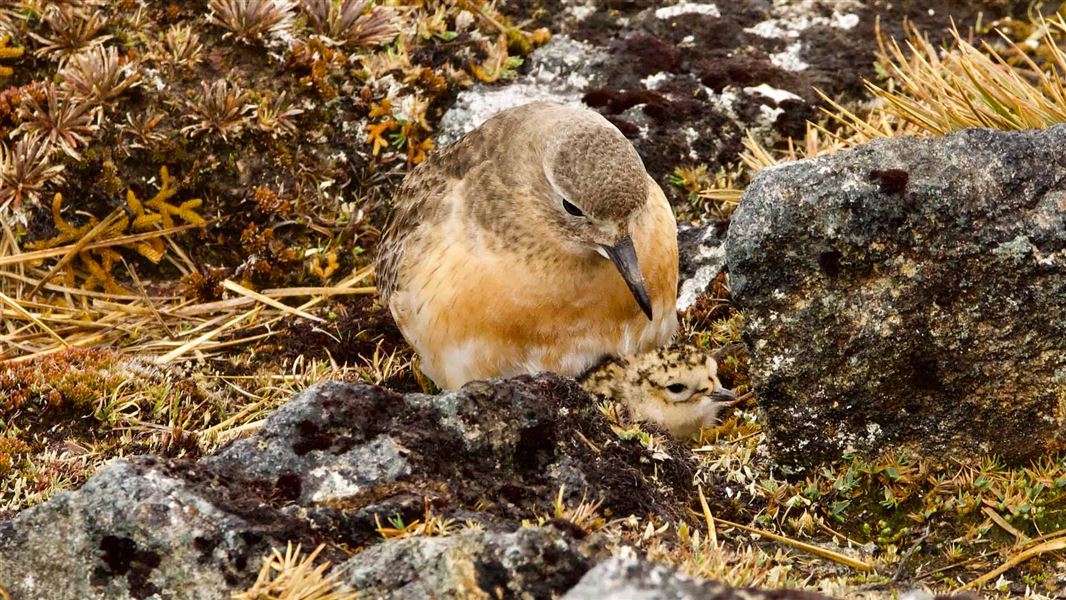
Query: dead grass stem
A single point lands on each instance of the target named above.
(47, 316)
(933, 90)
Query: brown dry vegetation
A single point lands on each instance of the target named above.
(190, 200)
(190, 194)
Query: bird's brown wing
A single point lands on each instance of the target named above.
(421, 200)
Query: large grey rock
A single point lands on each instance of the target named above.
(510, 443)
(632, 579)
(324, 469)
(909, 293)
(540, 562)
(132, 531)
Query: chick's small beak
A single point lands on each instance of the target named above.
(624, 257)
(721, 394)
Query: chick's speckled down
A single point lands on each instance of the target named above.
(675, 387)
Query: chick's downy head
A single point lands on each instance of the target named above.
(676, 388)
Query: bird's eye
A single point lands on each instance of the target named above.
(570, 208)
(676, 388)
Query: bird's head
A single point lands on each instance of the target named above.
(676, 387)
(598, 186)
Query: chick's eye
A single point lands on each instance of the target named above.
(570, 208)
(676, 388)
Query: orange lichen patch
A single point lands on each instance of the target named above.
(322, 63)
(380, 109)
(271, 203)
(498, 64)
(427, 79)
(411, 136)
(186, 211)
(100, 261)
(8, 52)
(269, 258)
(376, 134)
(204, 285)
(416, 150)
(416, 153)
(323, 272)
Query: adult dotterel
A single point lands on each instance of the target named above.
(537, 242)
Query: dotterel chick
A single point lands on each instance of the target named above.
(537, 242)
(676, 388)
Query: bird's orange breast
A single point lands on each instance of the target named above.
(473, 314)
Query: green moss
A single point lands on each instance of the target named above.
(62, 415)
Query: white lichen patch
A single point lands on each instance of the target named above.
(779, 361)
(768, 91)
(710, 256)
(1019, 247)
(789, 59)
(791, 18)
(771, 30)
(353, 472)
(687, 8)
(844, 21)
(580, 12)
(725, 102)
(652, 82)
(768, 114)
(691, 137)
(559, 74)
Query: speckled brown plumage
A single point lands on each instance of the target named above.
(489, 273)
(676, 387)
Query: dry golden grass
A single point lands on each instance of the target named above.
(951, 526)
(972, 85)
(294, 576)
(428, 526)
(930, 90)
(41, 317)
(585, 515)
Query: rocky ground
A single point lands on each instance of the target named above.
(950, 255)
(901, 302)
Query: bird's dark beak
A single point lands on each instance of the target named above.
(624, 257)
(721, 394)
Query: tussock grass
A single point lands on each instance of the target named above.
(294, 576)
(972, 85)
(1004, 84)
(42, 316)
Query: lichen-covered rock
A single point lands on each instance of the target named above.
(134, 530)
(323, 470)
(688, 80)
(510, 443)
(629, 579)
(560, 72)
(909, 293)
(701, 252)
(541, 562)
